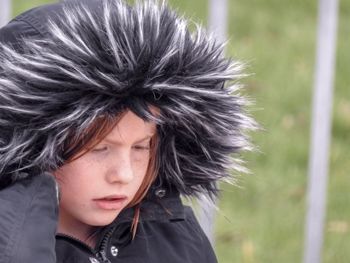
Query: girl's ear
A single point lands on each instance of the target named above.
(54, 174)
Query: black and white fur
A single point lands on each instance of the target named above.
(107, 59)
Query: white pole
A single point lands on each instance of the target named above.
(5, 12)
(321, 130)
(218, 25)
(218, 10)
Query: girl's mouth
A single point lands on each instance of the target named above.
(111, 202)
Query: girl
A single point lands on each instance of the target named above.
(108, 113)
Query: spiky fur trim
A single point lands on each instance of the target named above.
(104, 60)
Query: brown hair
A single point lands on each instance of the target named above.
(77, 145)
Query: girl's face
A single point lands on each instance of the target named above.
(99, 184)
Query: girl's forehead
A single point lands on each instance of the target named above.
(131, 128)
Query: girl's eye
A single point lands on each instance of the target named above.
(142, 148)
(99, 149)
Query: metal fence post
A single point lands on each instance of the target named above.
(218, 25)
(5, 12)
(321, 130)
(218, 10)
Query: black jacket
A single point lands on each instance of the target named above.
(161, 237)
(167, 232)
(63, 64)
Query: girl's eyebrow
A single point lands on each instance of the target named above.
(118, 143)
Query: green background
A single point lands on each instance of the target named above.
(262, 220)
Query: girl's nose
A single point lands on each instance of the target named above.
(121, 171)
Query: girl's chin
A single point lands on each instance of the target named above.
(101, 220)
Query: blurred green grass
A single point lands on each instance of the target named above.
(263, 221)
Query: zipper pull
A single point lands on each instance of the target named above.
(102, 255)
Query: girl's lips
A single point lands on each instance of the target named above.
(111, 203)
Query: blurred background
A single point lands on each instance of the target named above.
(262, 220)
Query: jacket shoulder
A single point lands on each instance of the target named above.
(205, 248)
(28, 218)
(172, 241)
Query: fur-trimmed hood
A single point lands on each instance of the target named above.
(64, 64)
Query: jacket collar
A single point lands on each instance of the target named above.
(160, 204)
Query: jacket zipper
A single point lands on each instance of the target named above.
(101, 254)
(102, 247)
